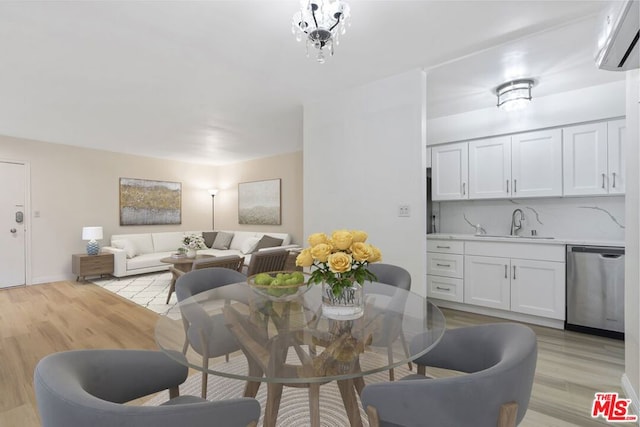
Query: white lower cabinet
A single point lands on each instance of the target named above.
(533, 285)
(447, 288)
(538, 288)
(449, 265)
(445, 270)
(487, 282)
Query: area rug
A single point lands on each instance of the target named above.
(294, 406)
(148, 290)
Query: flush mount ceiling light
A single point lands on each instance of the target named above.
(514, 95)
(321, 22)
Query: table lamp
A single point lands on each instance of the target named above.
(92, 234)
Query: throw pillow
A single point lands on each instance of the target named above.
(222, 241)
(209, 237)
(127, 246)
(249, 245)
(268, 242)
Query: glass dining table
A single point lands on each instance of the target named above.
(291, 343)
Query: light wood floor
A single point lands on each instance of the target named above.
(42, 319)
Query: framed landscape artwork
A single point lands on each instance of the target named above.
(259, 202)
(147, 202)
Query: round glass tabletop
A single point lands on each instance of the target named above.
(292, 342)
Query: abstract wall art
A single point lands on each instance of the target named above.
(147, 202)
(259, 202)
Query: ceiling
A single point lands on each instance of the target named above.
(224, 81)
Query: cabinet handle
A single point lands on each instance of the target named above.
(464, 188)
(603, 177)
(507, 186)
(442, 289)
(515, 185)
(514, 272)
(443, 265)
(505, 271)
(614, 180)
(443, 247)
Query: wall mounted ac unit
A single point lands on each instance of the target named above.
(618, 38)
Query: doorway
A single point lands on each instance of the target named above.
(13, 223)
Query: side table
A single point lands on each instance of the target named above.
(83, 265)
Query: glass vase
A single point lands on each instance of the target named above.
(346, 305)
(191, 253)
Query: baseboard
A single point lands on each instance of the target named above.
(631, 394)
(510, 315)
(50, 279)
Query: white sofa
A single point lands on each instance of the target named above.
(141, 253)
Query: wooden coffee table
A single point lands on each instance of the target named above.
(183, 264)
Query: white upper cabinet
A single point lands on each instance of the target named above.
(616, 140)
(574, 161)
(490, 168)
(585, 159)
(449, 171)
(536, 164)
(593, 158)
(524, 165)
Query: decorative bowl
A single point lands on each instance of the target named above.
(280, 285)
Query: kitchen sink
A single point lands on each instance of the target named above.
(508, 236)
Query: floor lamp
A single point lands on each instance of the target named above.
(213, 193)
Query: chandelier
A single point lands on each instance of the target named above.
(321, 22)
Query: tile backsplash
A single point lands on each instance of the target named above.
(598, 218)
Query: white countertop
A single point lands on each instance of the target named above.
(538, 240)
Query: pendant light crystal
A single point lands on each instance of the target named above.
(321, 22)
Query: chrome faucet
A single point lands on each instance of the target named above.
(516, 226)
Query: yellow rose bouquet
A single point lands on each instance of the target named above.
(339, 260)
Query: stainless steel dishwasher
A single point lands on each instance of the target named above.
(595, 290)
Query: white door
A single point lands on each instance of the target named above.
(487, 281)
(585, 159)
(449, 171)
(538, 288)
(490, 168)
(616, 131)
(12, 224)
(536, 164)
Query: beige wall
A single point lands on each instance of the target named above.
(287, 167)
(73, 187)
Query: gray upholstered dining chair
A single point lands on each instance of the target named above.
(391, 326)
(90, 387)
(234, 262)
(208, 336)
(499, 362)
(269, 260)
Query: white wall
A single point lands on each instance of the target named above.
(363, 157)
(582, 105)
(592, 218)
(631, 379)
